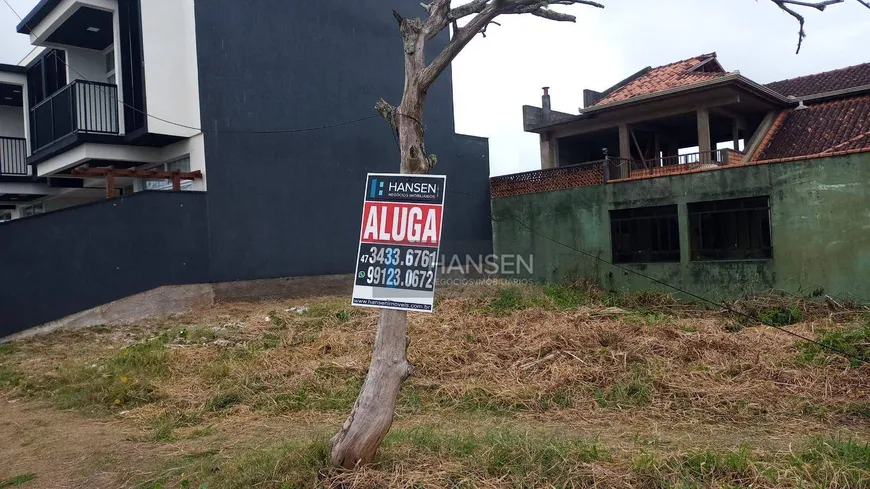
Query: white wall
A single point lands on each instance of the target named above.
(195, 148)
(11, 121)
(85, 64)
(171, 69)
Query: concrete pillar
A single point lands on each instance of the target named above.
(657, 149)
(685, 237)
(624, 142)
(735, 130)
(16, 212)
(548, 151)
(624, 150)
(704, 135)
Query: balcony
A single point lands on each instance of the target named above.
(610, 170)
(80, 108)
(13, 157)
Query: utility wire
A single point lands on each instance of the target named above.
(690, 294)
(218, 131)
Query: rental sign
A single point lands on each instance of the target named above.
(399, 242)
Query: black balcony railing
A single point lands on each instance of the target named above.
(80, 107)
(13, 157)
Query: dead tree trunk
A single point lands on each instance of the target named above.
(372, 416)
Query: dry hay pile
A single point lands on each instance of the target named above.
(526, 360)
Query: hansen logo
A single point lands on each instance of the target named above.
(377, 188)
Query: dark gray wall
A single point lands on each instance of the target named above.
(290, 204)
(71, 260)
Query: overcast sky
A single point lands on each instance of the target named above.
(495, 76)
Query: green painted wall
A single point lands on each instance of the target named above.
(820, 220)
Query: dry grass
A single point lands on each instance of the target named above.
(514, 387)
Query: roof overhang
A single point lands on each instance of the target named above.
(735, 81)
(4, 68)
(37, 15)
(49, 15)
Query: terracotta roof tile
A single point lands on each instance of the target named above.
(665, 77)
(829, 81)
(829, 127)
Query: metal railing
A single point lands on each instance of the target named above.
(13, 157)
(607, 170)
(670, 165)
(82, 106)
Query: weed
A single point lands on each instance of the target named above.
(343, 316)
(844, 460)
(634, 388)
(269, 341)
(857, 409)
(782, 316)
(508, 300)
(525, 460)
(288, 465)
(8, 348)
(320, 396)
(165, 425)
(203, 432)
(561, 398)
(852, 339)
(278, 321)
(18, 480)
(697, 468)
(563, 297)
(216, 371)
(224, 401)
(123, 381)
(9, 377)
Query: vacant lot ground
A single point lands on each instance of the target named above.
(531, 387)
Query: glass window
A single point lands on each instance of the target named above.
(737, 229)
(5, 216)
(110, 60)
(181, 164)
(110, 66)
(32, 210)
(645, 235)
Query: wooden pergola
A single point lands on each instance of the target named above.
(111, 173)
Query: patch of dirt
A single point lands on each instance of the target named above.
(66, 450)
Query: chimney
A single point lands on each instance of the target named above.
(545, 102)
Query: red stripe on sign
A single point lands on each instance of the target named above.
(393, 223)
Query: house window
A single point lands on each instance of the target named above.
(737, 229)
(645, 235)
(181, 164)
(32, 210)
(5, 216)
(110, 66)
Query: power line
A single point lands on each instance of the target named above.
(690, 294)
(185, 126)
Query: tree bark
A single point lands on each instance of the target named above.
(372, 416)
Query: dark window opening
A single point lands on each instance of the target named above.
(132, 66)
(46, 76)
(737, 229)
(645, 235)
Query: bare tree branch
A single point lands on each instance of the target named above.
(820, 6)
(484, 11)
